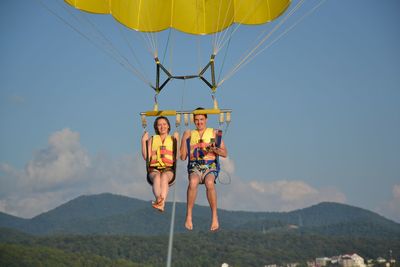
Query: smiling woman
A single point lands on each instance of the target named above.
(160, 153)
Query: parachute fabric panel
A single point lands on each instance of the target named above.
(143, 16)
(259, 11)
(189, 16)
(202, 17)
(92, 6)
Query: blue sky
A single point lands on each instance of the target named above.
(316, 115)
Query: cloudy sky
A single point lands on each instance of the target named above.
(316, 115)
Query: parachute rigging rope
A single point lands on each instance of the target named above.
(167, 44)
(223, 40)
(172, 225)
(151, 36)
(248, 55)
(198, 38)
(108, 44)
(265, 38)
(171, 51)
(130, 48)
(218, 34)
(198, 43)
(254, 52)
(286, 31)
(168, 47)
(224, 59)
(114, 54)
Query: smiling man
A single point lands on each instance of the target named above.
(202, 147)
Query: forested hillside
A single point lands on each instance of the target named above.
(193, 249)
(108, 214)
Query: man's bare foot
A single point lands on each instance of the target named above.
(188, 223)
(214, 225)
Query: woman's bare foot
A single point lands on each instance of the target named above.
(159, 204)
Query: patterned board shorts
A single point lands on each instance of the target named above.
(202, 170)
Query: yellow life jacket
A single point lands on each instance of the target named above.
(199, 144)
(162, 153)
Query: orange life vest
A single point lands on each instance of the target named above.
(162, 153)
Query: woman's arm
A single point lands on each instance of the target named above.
(145, 137)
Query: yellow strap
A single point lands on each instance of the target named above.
(159, 159)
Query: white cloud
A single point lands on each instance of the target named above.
(391, 209)
(279, 195)
(63, 161)
(64, 170)
(396, 192)
(27, 205)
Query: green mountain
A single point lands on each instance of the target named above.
(109, 214)
(112, 230)
(11, 221)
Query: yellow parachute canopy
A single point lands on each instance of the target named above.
(189, 16)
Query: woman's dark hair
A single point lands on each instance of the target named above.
(156, 121)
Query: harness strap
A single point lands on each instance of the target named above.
(188, 151)
(175, 150)
(148, 158)
(148, 162)
(218, 144)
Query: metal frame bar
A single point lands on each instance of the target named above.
(154, 113)
(210, 64)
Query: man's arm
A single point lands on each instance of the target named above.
(220, 151)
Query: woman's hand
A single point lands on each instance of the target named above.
(145, 137)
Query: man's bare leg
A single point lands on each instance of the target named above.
(191, 198)
(212, 200)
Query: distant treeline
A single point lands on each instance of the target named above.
(190, 249)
